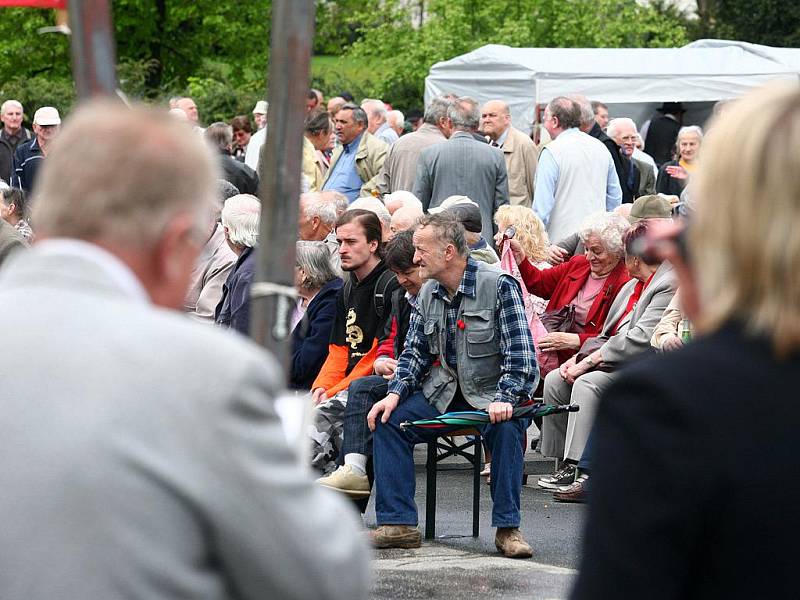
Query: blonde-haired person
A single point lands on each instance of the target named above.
(531, 235)
(674, 436)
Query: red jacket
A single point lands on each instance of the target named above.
(562, 283)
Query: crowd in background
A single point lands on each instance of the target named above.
(564, 218)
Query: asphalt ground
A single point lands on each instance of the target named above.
(456, 565)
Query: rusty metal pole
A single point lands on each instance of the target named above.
(94, 59)
(279, 173)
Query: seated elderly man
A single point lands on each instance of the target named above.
(399, 199)
(213, 265)
(374, 205)
(240, 220)
(468, 346)
(581, 380)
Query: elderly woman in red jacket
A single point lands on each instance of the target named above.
(589, 282)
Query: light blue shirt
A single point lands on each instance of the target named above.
(547, 172)
(386, 134)
(344, 177)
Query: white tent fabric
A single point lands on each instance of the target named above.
(789, 57)
(639, 78)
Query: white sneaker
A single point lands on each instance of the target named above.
(346, 481)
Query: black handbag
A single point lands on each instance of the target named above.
(562, 320)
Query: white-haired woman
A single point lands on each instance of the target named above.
(675, 438)
(674, 175)
(587, 283)
(240, 217)
(317, 285)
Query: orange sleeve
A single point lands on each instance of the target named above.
(333, 369)
(362, 369)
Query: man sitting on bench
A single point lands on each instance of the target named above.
(468, 347)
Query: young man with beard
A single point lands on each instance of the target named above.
(351, 478)
(363, 307)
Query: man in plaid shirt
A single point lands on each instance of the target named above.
(468, 347)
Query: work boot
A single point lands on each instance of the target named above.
(396, 536)
(511, 544)
(346, 481)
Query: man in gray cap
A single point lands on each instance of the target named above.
(29, 156)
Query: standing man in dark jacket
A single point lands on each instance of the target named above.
(351, 478)
(662, 132)
(29, 156)
(220, 135)
(12, 135)
(240, 220)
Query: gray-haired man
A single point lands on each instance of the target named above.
(474, 312)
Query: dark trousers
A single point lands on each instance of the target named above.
(362, 394)
(394, 464)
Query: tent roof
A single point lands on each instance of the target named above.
(612, 75)
(789, 57)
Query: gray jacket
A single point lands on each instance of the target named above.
(463, 166)
(142, 455)
(634, 333)
(478, 345)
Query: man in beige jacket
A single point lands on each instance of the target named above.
(358, 158)
(518, 150)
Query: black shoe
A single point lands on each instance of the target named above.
(563, 477)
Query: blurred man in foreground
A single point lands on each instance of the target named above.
(142, 456)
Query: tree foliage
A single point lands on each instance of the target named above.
(769, 22)
(452, 27)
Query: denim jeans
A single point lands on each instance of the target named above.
(363, 393)
(585, 463)
(395, 479)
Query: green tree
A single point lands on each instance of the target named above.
(769, 22)
(406, 50)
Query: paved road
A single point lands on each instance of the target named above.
(457, 566)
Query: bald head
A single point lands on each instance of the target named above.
(495, 119)
(404, 218)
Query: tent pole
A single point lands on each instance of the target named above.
(272, 291)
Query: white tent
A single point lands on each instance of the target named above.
(632, 81)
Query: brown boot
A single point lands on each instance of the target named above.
(511, 544)
(396, 536)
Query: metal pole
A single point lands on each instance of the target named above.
(279, 173)
(93, 52)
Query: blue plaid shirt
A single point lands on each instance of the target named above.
(520, 373)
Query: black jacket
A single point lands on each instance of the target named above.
(27, 160)
(695, 492)
(239, 174)
(311, 336)
(661, 136)
(233, 309)
(666, 184)
(7, 150)
(616, 154)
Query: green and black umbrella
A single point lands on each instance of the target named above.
(476, 418)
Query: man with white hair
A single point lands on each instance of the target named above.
(378, 124)
(404, 218)
(397, 122)
(400, 167)
(637, 178)
(213, 265)
(173, 425)
(316, 219)
(30, 155)
(518, 150)
(576, 175)
(12, 135)
(240, 221)
(400, 198)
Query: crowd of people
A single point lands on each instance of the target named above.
(444, 262)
